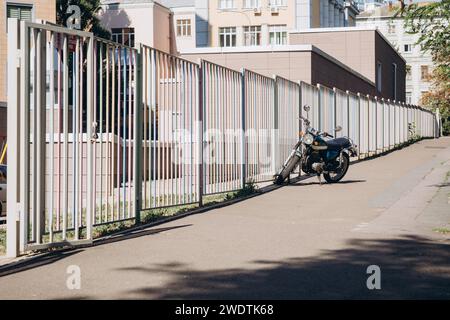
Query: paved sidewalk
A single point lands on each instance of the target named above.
(300, 241)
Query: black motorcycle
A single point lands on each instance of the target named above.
(319, 153)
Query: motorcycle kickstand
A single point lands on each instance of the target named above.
(320, 179)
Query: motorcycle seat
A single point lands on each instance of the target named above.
(338, 144)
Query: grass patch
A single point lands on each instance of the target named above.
(2, 241)
(442, 230)
(249, 189)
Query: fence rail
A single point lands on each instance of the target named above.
(100, 131)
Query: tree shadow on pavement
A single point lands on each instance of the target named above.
(411, 267)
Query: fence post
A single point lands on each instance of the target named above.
(138, 105)
(300, 112)
(335, 112)
(40, 139)
(13, 151)
(200, 129)
(90, 208)
(275, 125)
(243, 120)
(319, 108)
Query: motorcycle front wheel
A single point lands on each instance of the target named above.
(290, 166)
(336, 176)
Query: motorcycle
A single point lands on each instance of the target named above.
(319, 153)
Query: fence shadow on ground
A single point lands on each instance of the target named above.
(411, 267)
(54, 256)
(304, 184)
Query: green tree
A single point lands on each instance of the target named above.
(431, 21)
(89, 15)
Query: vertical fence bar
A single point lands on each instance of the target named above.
(243, 129)
(40, 139)
(90, 106)
(16, 71)
(137, 128)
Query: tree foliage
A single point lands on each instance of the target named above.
(89, 15)
(431, 21)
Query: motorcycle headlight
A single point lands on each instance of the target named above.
(308, 139)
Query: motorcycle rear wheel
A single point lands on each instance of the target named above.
(333, 177)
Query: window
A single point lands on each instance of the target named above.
(21, 12)
(227, 36)
(226, 4)
(184, 28)
(408, 72)
(124, 36)
(391, 28)
(394, 81)
(424, 94)
(277, 3)
(424, 73)
(407, 48)
(252, 36)
(278, 35)
(408, 97)
(250, 4)
(379, 76)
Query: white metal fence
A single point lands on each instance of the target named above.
(99, 131)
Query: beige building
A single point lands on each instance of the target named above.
(138, 21)
(268, 22)
(25, 10)
(184, 26)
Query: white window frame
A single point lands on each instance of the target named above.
(392, 28)
(409, 46)
(185, 26)
(280, 35)
(126, 31)
(252, 4)
(228, 33)
(408, 71)
(428, 74)
(408, 97)
(277, 3)
(252, 35)
(226, 4)
(20, 5)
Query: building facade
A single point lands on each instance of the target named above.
(221, 23)
(234, 23)
(365, 50)
(305, 63)
(364, 5)
(419, 65)
(138, 21)
(24, 10)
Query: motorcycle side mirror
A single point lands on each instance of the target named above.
(338, 128)
(306, 108)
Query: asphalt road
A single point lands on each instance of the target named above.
(301, 241)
